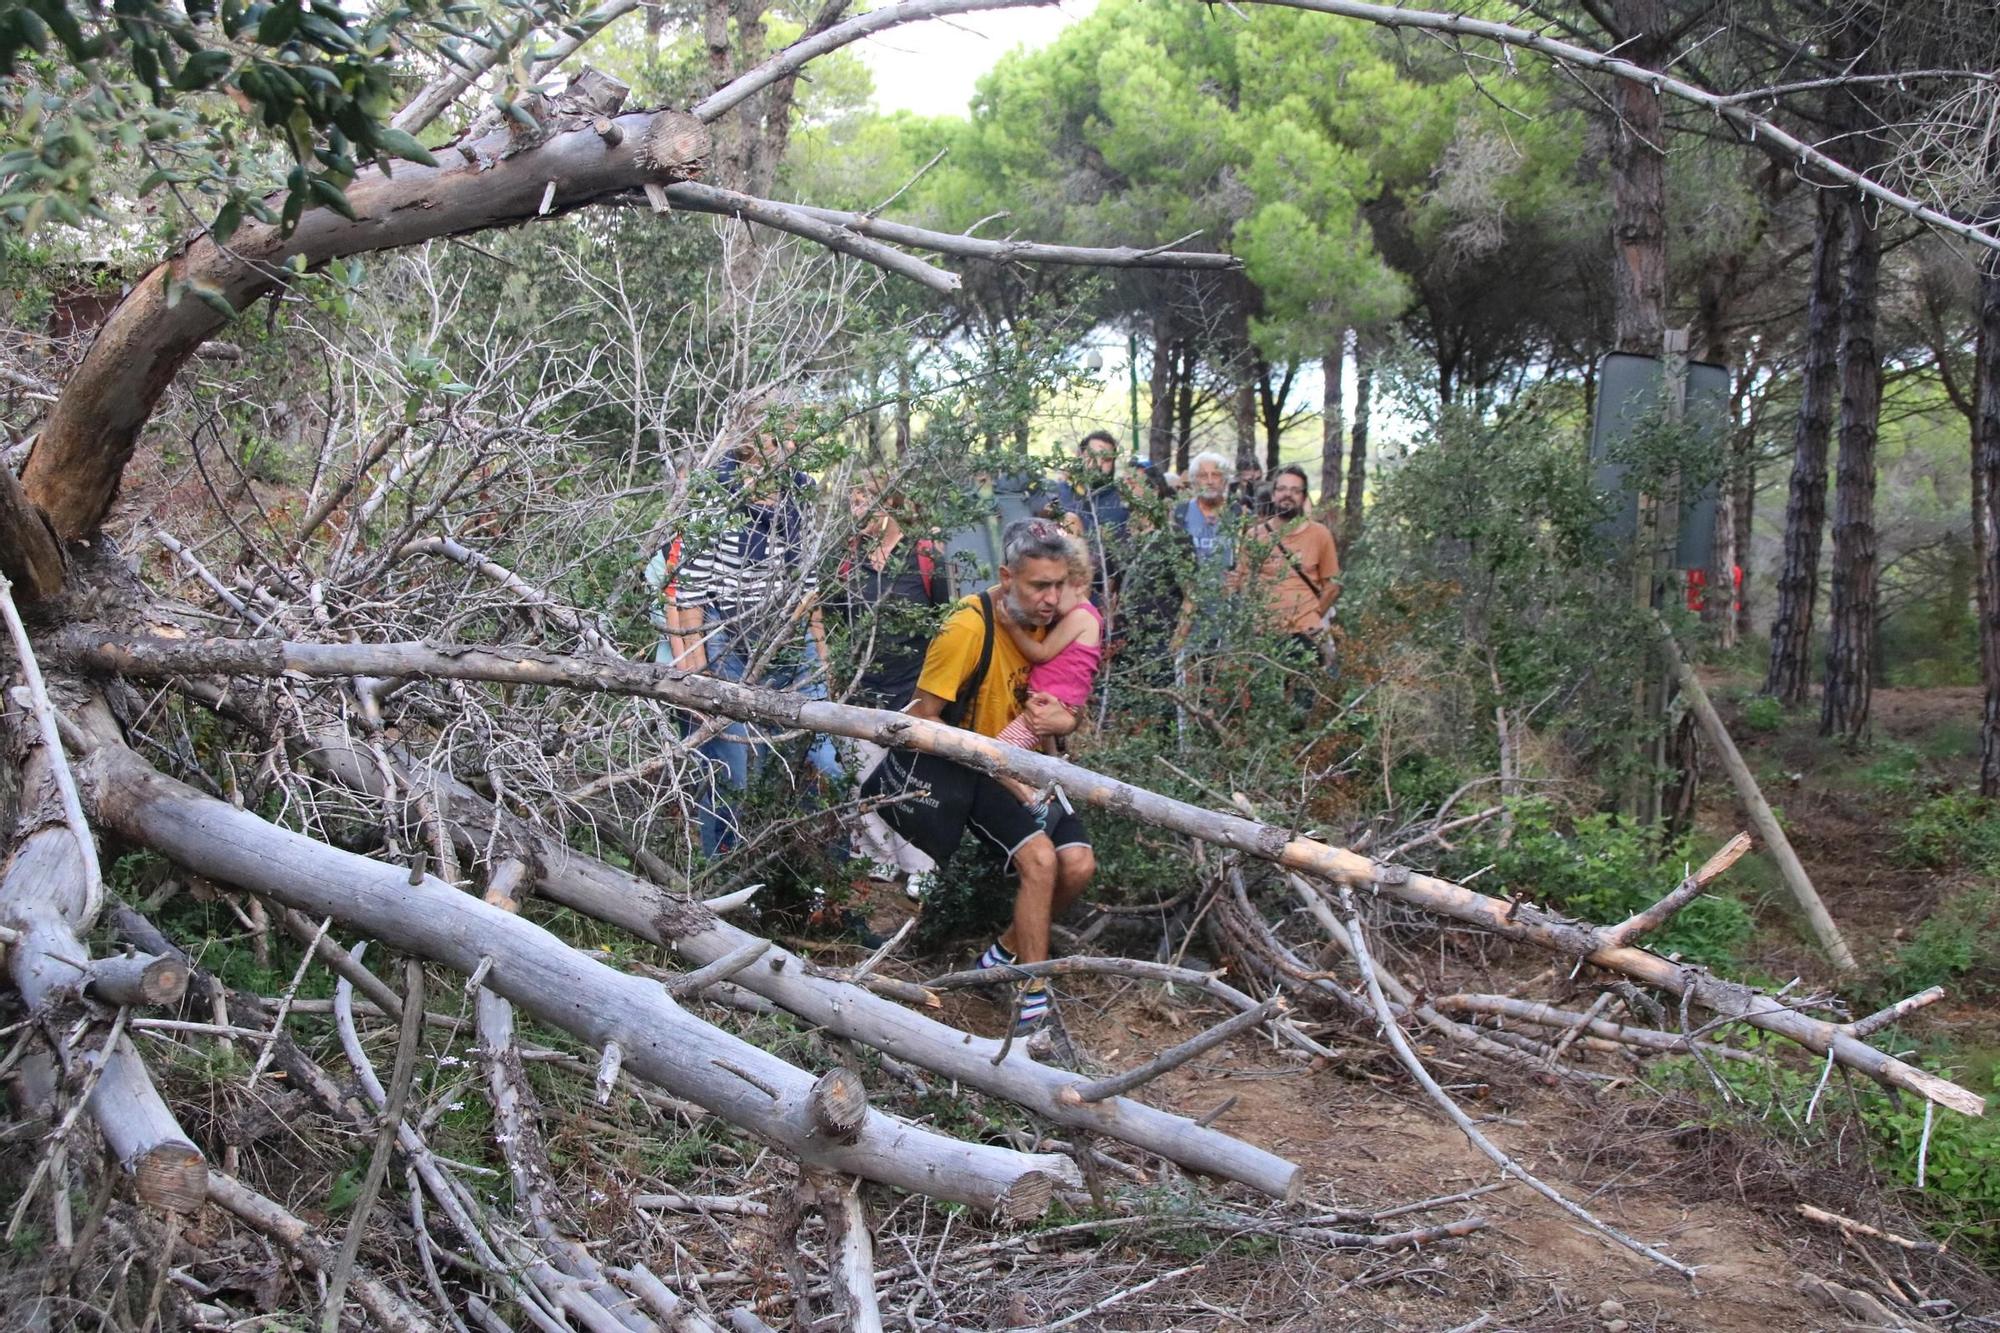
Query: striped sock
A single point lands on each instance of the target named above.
(996, 955)
(1032, 1009)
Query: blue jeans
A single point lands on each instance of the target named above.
(735, 757)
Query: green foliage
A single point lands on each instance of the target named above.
(1487, 527)
(1952, 830)
(1761, 713)
(1953, 946)
(191, 94)
(1603, 870)
(1961, 1180)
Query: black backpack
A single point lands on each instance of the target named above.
(959, 710)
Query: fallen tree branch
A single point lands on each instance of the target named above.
(585, 884)
(540, 973)
(1174, 1057)
(1524, 922)
(1661, 912)
(378, 1160)
(275, 1221)
(1543, 1015)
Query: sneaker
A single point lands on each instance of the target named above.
(884, 872)
(1031, 1009)
(919, 885)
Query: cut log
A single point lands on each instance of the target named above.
(556, 984)
(137, 979)
(45, 899)
(839, 1104)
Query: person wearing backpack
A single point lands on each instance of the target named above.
(738, 579)
(975, 677)
(892, 588)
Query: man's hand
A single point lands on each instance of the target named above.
(1048, 715)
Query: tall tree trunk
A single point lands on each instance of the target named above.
(1332, 424)
(1243, 379)
(1986, 518)
(1269, 413)
(1850, 661)
(1160, 419)
(1639, 184)
(1789, 678)
(1357, 458)
(1184, 413)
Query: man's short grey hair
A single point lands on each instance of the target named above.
(1208, 456)
(1033, 539)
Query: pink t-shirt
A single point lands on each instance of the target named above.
(1067, 675)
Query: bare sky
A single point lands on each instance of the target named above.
(930, 67)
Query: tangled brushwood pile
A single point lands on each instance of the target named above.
(504, 1114)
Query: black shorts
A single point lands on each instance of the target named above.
(947, 799)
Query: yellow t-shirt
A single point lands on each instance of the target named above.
(954, 656)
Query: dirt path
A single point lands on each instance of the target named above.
(1368, 1141)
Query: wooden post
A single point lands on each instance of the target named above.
(1761, 818)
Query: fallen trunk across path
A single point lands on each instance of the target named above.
(1517, 920)
(558, 985)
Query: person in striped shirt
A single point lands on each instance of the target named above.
(736, 580)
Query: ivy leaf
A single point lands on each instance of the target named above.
(227, 219)
(213, 298)
(280, 21)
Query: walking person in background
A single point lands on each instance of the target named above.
(736, 580)
(1097, 511)
(894, 587)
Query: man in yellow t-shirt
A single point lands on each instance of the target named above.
(1050, 850)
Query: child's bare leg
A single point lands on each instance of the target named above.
(1023, 793)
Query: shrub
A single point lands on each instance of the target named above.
(1953, 945)
(1952, 830)
(1603, 870)
(1761, 713)
(1961, 1187)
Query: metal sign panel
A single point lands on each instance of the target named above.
(1628, 396)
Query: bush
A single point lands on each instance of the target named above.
(1952, 830)
(1953, 945)
(1961, 1189)
(1761, 713)
(1602, 870)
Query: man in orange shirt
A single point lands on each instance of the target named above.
(1296, 564)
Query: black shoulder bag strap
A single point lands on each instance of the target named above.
(958, 712)
(1299, 569)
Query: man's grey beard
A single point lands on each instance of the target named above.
(1018, 613)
